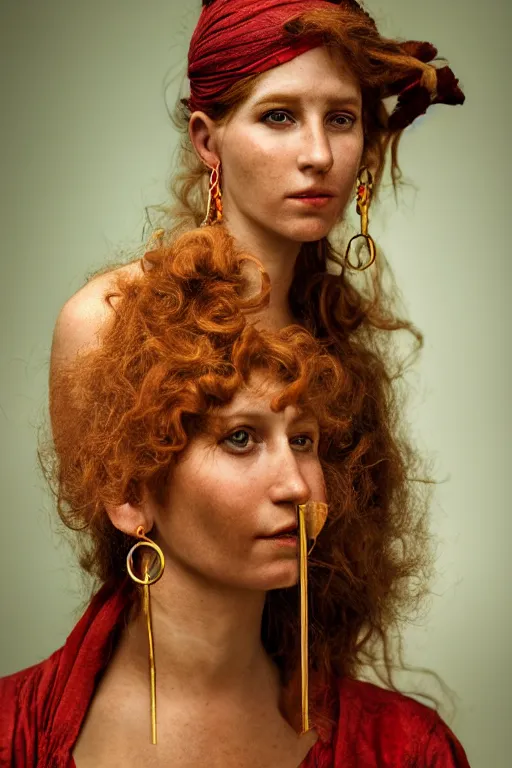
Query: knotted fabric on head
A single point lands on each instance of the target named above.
(237, 38)
(416, 92)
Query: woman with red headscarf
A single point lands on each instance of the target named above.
(291, 102)
(290, 114)
(294, 108)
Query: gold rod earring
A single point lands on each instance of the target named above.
(152, 667)
(304, 656)
(146, 581)
(312, 517)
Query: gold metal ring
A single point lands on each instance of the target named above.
(371, 248)
(147, 581)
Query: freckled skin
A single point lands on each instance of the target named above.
(315, 136)
(218, 692)
(221, 497)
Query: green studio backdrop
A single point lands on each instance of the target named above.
(86, 144)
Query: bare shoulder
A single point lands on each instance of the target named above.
(86, 314)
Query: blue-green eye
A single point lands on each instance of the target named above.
(238, 439)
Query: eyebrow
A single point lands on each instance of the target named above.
(348, 99)
(302, 416)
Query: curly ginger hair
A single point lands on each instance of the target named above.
(179, 346)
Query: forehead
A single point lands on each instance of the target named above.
(318, 72)
(256, 398)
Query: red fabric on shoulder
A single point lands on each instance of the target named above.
(43, 706)
(385, 729)
(377, 728)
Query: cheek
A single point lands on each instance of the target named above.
(254, 161)
(208, 503)
(224, 508)
(348, 153)
(347, 163)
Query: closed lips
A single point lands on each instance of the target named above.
(290, 531)
(314, 193)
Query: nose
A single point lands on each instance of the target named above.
(315, 149)
(290, 485)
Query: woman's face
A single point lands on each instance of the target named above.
(235, 486)
(291, 152)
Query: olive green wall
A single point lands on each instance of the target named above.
(86, 144)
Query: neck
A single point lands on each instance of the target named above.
(207, 637)
(278, 257)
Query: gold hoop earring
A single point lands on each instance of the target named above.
(312, 517)
(214, 208)
(151, 573)
(364, 199)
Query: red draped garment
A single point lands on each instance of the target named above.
(43, 707)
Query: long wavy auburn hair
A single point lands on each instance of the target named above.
(181, 344)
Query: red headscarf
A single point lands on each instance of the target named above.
(237, 38)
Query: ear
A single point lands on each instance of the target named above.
(203, 135)
(128, 517)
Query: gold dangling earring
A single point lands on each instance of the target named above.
(312, 517)
(364, 198)
(152, 571)
(214, 208)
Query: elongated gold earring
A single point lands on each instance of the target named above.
(364, 198)
(152, 565)
(312, 517)
(214, 208)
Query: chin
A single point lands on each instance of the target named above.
(286, 583)
(310, 231)
(280, 578)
